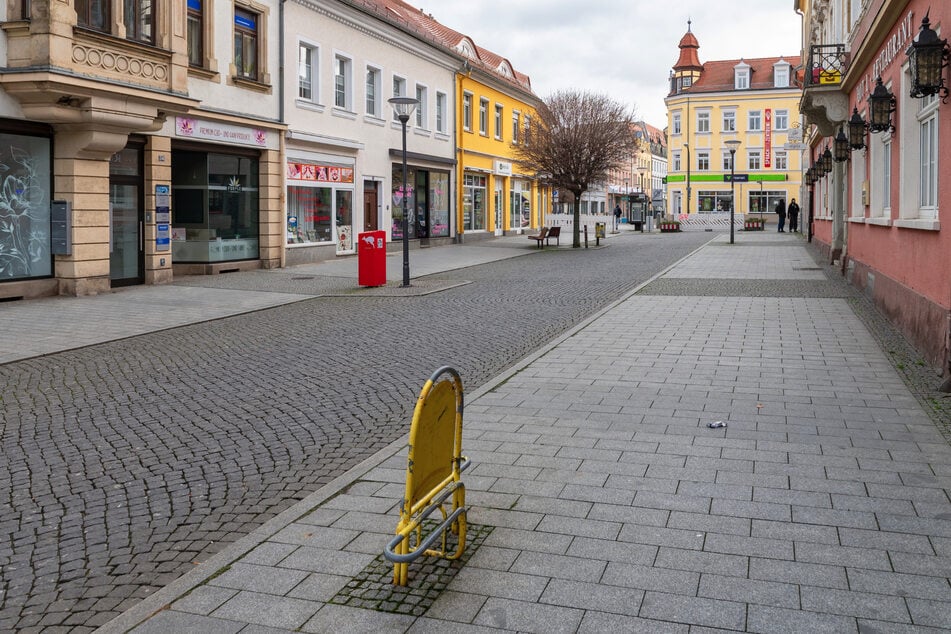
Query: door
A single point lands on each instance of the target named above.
(499, 227)
(127, 246)
(371, 221)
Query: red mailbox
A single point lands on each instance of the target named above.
(371, 258)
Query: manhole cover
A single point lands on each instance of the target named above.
(302, 277)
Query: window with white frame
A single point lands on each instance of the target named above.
(781, 75)
(675, 159)
(754, 121)
(498, 121)
(729, 120)
(780, 160)
(876, 171)
(781, 120)
(703, 160)
(526, 125)
(374, 102)
(857, 185)
(422, 108)
(467, 111)
(754, 159)
(399, 90)
(703, 121)
(483, 116)
(675, 123)
(928, 157)
(306, 65)
(727, 163)
(441, 112)
(741, 76)
(343, 83)
(516, 124)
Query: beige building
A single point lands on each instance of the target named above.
(137, 138)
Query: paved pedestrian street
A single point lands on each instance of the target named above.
(602, 500)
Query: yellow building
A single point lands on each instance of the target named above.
(495, 104)
(749, 106)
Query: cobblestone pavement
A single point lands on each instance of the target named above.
(124, 464)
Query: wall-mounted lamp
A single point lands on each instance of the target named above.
(840, 147)
(881, 105)
(927, 57)
(810, 176)
(857, 130)
(825, 162)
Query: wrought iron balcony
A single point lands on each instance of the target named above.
(827, 65)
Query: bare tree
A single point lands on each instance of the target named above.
(576, 139)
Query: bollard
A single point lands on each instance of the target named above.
(586, 236)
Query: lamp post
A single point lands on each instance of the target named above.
(733, 143)
(641, 174)
(404, 107)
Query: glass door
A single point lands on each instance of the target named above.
(126, 248)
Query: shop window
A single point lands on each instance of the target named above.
(473, 202)
(139, 19)
(24, 207)
(520, 213)
(246, 44)
(714, 201)
(93, 14)
(214, 207)
(427, 202)
(320, 204)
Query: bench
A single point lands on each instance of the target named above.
(554, 232)
(540, 237)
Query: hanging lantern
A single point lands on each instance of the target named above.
(881, 105)
(841, 150)
(927, 57)
(857, 129)
(826, 161)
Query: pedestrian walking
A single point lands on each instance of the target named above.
(793, 212)
(617, 216)
(781, 212)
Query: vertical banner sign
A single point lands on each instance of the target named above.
(768, 139)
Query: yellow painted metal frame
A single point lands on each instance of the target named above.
(433, 475)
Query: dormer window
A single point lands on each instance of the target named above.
(741, 76)
(781, 74)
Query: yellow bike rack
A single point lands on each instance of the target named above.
(434, 466)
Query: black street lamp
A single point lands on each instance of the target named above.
(733, 143)
(404, 107)
(927, 57)
(881, 105)
(857, 130)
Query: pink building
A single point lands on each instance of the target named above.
(879, 130)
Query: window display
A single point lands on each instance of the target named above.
(24, 207)
(320, 205)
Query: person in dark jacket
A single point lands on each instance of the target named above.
(793, 212)
(781, 211)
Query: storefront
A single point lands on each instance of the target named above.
(220, 204)
(320, 204)
(25, 182)
(473, 202)
(427, 197)
(520, 205)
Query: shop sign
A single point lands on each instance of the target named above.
(162, 237)
(768, 138)
(319, 173)
(222, 132)
(162, 200)
(503, 168)
(894, 45)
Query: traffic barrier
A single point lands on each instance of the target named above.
(433, 475)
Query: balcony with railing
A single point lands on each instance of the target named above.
(824, 102)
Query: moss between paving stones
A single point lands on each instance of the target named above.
(373, 588)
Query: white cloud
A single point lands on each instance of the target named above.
(623, 48)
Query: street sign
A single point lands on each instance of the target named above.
(737, 178)
(794, 146)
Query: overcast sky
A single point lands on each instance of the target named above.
(623, 48)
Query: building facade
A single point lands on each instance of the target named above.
(144, 140)
(879, 131)
(749, 106)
